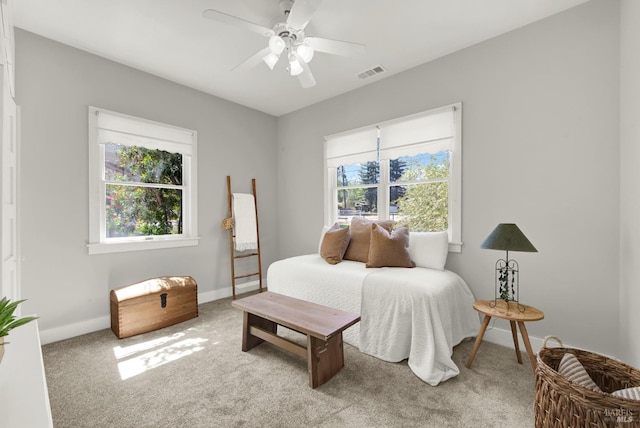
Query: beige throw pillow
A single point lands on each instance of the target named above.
(389, 249)
(358, 249)
(571, 368)
(334, 244)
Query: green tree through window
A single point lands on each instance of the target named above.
(397, 168)
(370, 174)
(425, 206)
(144, 194)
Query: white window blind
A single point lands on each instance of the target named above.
(118, 128)
(429, 132)
(352, 147)
(426, 132)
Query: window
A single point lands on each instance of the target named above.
(407, 170)
(142, 184)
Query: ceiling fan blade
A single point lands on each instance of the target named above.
(336, 47)
(301, 13)
(238, 22)
(253, 60)
(306, 78)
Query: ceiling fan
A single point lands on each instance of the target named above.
(286, 36)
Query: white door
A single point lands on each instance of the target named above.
(9, 256)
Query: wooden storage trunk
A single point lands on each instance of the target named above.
(153, 304)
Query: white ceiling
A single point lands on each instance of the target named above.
(171, 39)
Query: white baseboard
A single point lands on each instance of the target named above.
(68, 331)
(210, 296)
(494, 335)
(503, 337)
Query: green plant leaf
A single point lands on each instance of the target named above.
(7, 320)
(3, 303)
(21, 321)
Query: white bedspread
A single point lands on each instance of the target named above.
(421, 319)
(308, 278)
(417, 314)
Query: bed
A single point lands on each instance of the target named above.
(418, 314)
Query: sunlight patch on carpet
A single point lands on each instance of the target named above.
(156, 358)
(123, 352)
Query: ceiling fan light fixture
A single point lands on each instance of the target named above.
(276, 44)
(305, 52)
(294, 66)
(271, 60)
(287, 34)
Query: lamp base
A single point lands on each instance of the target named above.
(507, 282)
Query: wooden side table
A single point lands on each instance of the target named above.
(513, 315)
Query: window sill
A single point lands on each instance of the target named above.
(154, 244)
(455, 247)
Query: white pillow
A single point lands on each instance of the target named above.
(429, 249)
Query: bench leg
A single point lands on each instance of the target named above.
(324, 358)
(250, 320)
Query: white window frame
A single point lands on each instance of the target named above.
(145, 133)
(355, 146)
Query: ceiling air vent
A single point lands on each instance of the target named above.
(378, 69)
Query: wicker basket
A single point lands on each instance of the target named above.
(562, 403)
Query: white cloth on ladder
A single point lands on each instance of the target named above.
(246, 227)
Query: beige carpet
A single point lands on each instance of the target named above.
(194, 375)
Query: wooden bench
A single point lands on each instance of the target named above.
(323, 327)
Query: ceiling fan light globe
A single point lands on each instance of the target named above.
(294, 67)
(276, 44)
(271, 60)
(305, 52)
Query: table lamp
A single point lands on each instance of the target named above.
(507, 237)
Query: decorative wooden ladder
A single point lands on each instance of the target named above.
(228, 224)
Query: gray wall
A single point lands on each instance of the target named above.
(65, 286)
(540, 148)
(543, 116)
(630, 181)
